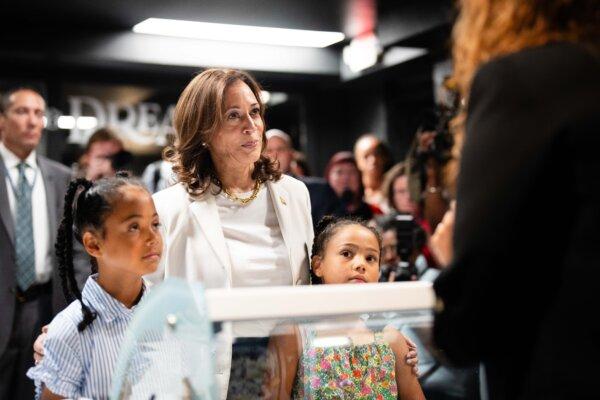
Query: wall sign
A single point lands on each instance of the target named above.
(143, 127)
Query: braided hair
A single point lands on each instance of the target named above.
(328, 226)
(87, 206)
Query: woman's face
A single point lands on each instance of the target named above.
(343, 176)
(238, 141)
(401, 195)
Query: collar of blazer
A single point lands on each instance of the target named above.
(52, 196)
(5, 214)
(205, 212)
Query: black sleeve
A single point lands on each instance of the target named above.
(501, 160)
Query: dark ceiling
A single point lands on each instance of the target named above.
(71, 15)
(34, 32)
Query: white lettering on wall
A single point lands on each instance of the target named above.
(140, 126)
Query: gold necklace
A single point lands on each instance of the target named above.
(241, 200)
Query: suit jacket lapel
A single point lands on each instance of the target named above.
(5, 213)
(207, 216)
(51, 198)
(281, 202)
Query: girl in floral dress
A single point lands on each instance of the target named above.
(361, 364)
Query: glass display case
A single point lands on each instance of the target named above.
(322, 341)
(309, 342)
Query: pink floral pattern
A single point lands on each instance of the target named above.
(363, 372)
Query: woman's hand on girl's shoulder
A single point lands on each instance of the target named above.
(48, 395)
(403, 346)
(38, 345)
(283, 353)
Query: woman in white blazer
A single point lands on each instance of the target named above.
(232, 220)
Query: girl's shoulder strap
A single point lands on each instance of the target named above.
(306, 335)
(379, 337)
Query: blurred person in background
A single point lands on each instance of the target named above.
(401, 257)
(373, 159)
(32, 191)
(343, 176)
(322, 198)
(299, 165)
(525, 255)
(398, 196)
(280, 148)
(427, 159)
(395, 189)
(103, 156)
(159, 175)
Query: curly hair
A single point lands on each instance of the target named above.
(488, 29)
(491, 28)
(87, 205)
(198, 115)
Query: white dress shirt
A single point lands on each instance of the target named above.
(39, 208)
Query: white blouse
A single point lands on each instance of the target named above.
(259, 256)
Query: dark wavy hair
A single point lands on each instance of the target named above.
(328, 226)
(87, 206)
(198, 115)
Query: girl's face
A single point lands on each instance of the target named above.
(131, 241)
(343, 176)
(402, 200)
(239, 139)
(350, 256)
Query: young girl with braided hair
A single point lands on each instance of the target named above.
(116, 222)
(371, 364)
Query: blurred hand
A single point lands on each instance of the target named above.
(442, 239)
(38, 346)
(412, 357)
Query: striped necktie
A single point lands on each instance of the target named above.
(24, 244)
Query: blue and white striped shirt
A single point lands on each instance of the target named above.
(80, 364)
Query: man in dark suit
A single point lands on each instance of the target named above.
(32, 190)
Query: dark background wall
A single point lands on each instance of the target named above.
(325, 112)
(387, 104)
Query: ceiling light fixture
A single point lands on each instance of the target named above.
(362, 52)
(238, 33)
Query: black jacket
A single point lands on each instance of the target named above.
(523, 293)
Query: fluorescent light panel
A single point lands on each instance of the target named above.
(238, 33)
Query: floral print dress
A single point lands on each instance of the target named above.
(349, 372)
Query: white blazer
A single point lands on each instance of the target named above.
(195, 248)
